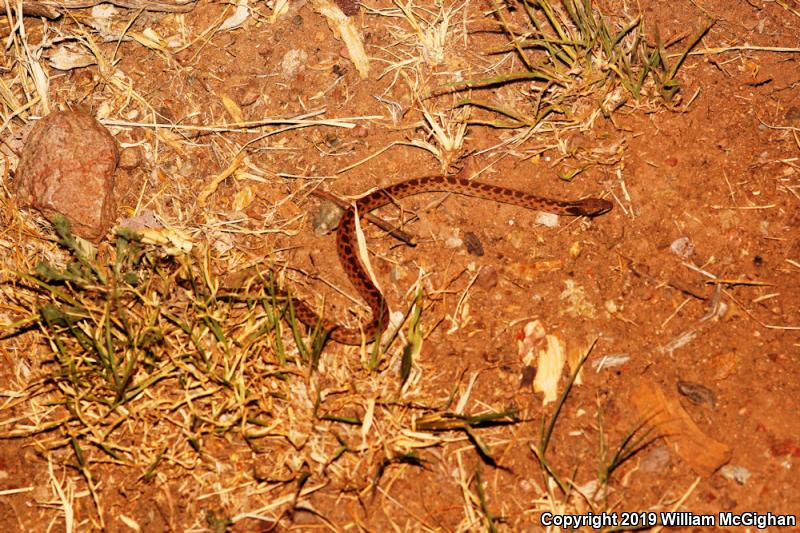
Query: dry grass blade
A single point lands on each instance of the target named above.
(488, 516)
(452, 421)
(492, 81)
(415, 338)
(520, 120)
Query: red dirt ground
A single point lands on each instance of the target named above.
(722, 168)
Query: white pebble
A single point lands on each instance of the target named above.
(453, 242)
(547, 219)
(682, 247)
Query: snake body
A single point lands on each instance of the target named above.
(348, 253)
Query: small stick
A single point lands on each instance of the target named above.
(397, 233)
(739, 282)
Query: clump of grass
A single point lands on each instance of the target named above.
(572, 53)
(144, 340)
(121, 326)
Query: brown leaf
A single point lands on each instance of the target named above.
(665, 413)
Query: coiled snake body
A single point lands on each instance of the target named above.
(348, 254)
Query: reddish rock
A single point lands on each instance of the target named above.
(784, 448)
(348, 7)
(487, 278)
(359, 132)
(130, 158)
(67, 167)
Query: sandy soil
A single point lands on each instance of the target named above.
(715, 331)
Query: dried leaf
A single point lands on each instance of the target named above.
(238, 17)
(244, 197)
(344, 28)
(363, 254)
(526, 347)
(665, 413)
(149, 38)
(69, 56)
(219, 178)
(233, 109)
(550, 368)
(172, 241)
(280, 8)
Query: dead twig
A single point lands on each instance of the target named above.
(54, 9)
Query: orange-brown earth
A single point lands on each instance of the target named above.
(719, 168)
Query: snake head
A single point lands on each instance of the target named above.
(590, 207)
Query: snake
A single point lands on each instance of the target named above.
(347, 250)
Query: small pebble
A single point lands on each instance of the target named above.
(725, 365)
(785, 448)
(130, 158)
(547, 219)
(348, 7)
(453, 242)
(739, 474)
(473, 244)
(332, 140)
(655, 460)
(327, 218)
(359, 132)
(526, 379)
(697, 393)
(397, 273)
(682, 247)
(793, 113)
(519, 239)
(147, 219)
(293, 62)
(487, 278)
(249, 96)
